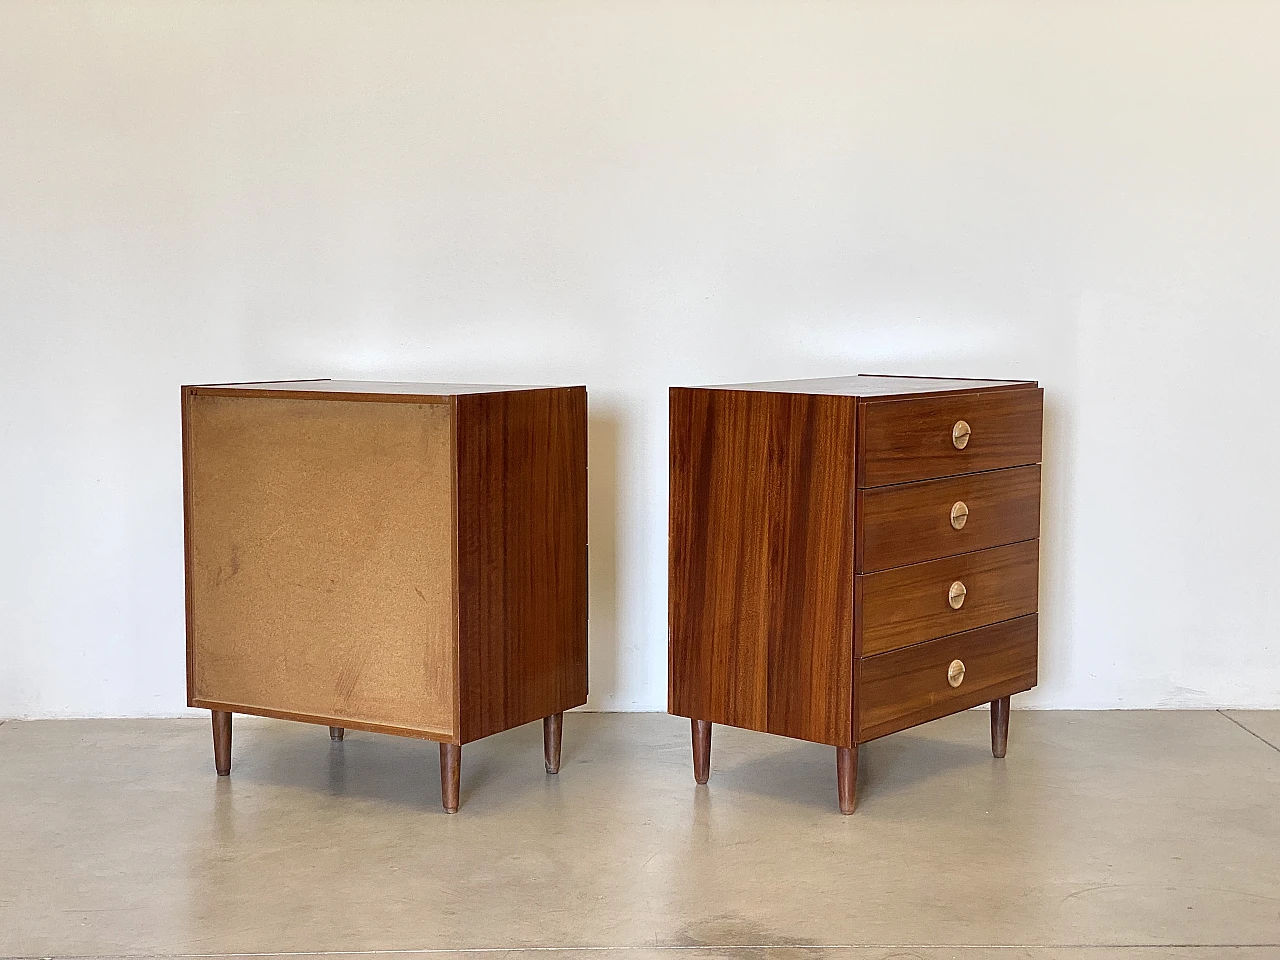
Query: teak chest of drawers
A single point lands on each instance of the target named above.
(850, 557)
(395, 557)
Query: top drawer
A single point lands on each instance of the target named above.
(904, 440)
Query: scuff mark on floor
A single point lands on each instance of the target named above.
(736, 938)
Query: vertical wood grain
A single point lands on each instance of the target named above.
(760, 554)
(522, 556)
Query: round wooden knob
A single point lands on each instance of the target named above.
(960, 434)
(959, 514)
(955, 673)
(956, 595)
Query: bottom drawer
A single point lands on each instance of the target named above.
(913, 685)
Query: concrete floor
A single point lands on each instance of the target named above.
(1127, 835)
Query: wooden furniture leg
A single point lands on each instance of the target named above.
(847, 777)
(999, 727)
(450, 775)
(552, 734)
(701, 750)
(222, 742)
(336, 733)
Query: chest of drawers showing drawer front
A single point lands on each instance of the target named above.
(851, 557)
(397, 558)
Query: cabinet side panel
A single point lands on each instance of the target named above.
(760, 587)
(319, 557)
(522, 557)
(717, 643)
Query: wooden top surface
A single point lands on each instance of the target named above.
(358, 389)
(866, 385)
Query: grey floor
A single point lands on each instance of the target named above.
(1134, 835)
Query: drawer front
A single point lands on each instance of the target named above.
(921, 439)
(913, 522)
(914, 685)
(924, 601)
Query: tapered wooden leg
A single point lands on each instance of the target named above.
(999, 726)
(336, 733)
(222, 742)
(450, 775)
(701, 749)
(552, 730)
(847, 777)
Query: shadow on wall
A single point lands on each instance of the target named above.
(1056, 547)
(602, 568)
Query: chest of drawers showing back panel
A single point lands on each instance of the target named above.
(392, 557)
(851, 557)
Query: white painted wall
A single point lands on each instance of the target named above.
(632, 195)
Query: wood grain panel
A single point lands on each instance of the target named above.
(760, 578)
(911, 522)
(909, 686)
(319, 543)
(907, 605)
(905, 440)
(522, 556)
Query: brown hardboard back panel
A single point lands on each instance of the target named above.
(522, 556)
(320, 560)
(760, 586)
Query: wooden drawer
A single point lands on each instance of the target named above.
(905, 440)
(912, 522)
(910, 686)
(906, 605)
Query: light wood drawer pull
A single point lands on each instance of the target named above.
(959, 514)
(956, 595)
(960, 434)
(955, 673)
